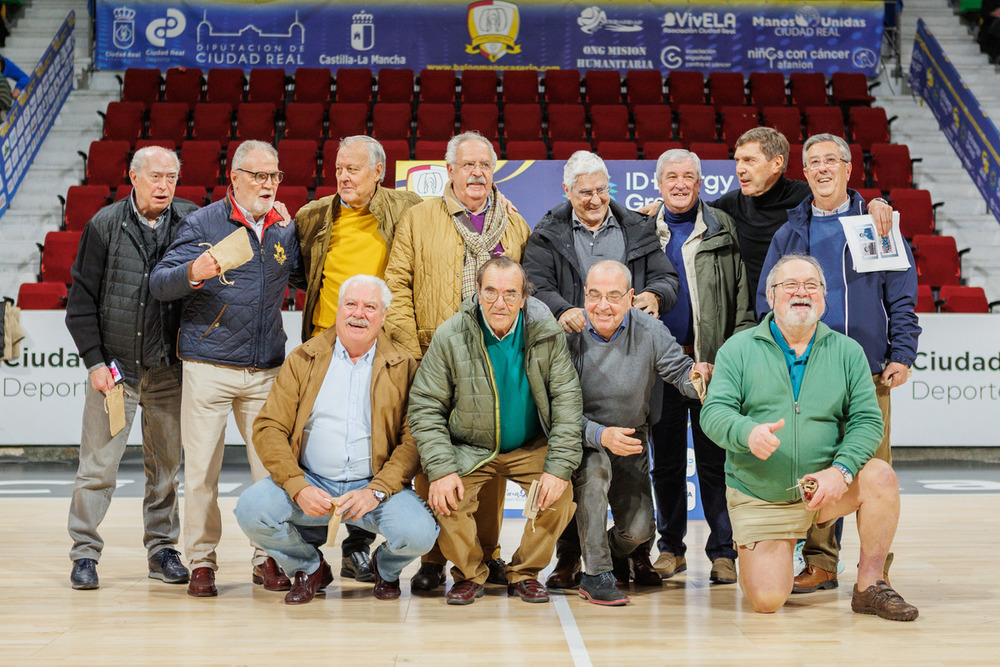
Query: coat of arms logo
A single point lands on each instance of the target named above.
(493, 26)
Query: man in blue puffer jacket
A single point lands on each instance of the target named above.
(231, 341)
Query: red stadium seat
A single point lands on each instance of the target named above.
(609, 122)
(824, 119)
(567, 122)
(168, 120)
(869, 194)
(685, 88)
(962, 299)
(522, 122)
(123, 121)
(653, 122)
(330, 148)
(297, 158)
(141, 85)
(767, 89)
(58, 254)
(348, 119)
(213, 121)
(858, 176)
(925, 300)
(850, 89)
(795, 170)
(200, 164)
(527, 150)
(869, 125)
(520, 87)
(293, 196)
(643, 86)
(395, 85)
(391, 120)
(225, 86)
(325, 191)
(219, 192)
(916, 211)
(891, 167)
(938, 260)
(107, 163)
(313, 85)
(807, 89)
(193, 193)
(41, 296)
(354, 85)
(304, 120)
(562, 86)
(618, 150)
(435, 121)
(736, 121)
(652, 150)
(483, 118)
(81, 203)
(437, 86)
(787, 120)
(696, 122)
(429, 150)
(707, 150)
(603, 87)
(395, 151)
(267, 86)
(169, 144)
(726, 89)
(255, 120)
(183, 85)
(562, 150)
(122, 191)
(479, 86)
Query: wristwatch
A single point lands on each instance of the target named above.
(379, 495)
(848, 475)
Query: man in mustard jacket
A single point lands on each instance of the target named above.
(334, 438)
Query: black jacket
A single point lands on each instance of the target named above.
(555, 273)
(104, 310)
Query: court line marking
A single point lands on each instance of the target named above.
(577, 649)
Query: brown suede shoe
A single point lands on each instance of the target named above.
(464, 592)
(529, 590)
(723, 571)
(202, 584)
(566, 574)
(270, 576)
(814, 579)
(668, 564)
(384, 590)
(881, 600)
(643, 573)
(308, 586)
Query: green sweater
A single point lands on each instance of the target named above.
(836, 418)
(518, 414)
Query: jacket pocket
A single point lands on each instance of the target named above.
(214, 323)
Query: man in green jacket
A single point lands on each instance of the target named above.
(793, 404)
(501, 343)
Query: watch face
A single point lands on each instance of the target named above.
(379, 495)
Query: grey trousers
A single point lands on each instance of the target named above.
(159, 394)
(605, 478)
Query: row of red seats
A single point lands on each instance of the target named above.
(760, 89)
(953, 299)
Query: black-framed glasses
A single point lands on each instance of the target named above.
(793, 286)
(490, 295)
(262, 176)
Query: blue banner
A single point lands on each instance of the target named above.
(971, 133)
(33, 112)
(708, 36)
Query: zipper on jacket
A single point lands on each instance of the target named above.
(496, 402)
(263, 305)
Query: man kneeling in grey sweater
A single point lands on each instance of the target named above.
(620, 355)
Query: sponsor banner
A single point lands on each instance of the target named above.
(708, 36)
(971, 133)
(535, 186)
(33, 112)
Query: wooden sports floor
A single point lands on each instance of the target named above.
(944, 564)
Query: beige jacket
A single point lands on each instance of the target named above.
(313, 225)
(424, 271)
(277, 431)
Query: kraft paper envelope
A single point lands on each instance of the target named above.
(333, 526)
(230, 252)
(698, 382)
(114, 405)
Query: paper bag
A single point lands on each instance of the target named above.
(530, 510)
(698, 382)
(333, 526)
(114, 405)
(230, 252)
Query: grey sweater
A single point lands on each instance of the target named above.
(618, 376)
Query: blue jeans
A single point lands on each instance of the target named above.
(270, 519)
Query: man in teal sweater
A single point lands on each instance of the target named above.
(793, 404)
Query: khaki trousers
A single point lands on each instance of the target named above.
(459, 540)
(210, 393)
(821, 548)
(489, 517)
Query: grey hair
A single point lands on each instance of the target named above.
(673, 156)
(451, 153)
(367, 281)
(143, 155)
(772, 275)
(610, 264)
(581, 163)
(772, 143)
(845, 150)
(376, 154)
(504, 263)
(244, 149)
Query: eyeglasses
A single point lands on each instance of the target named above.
(490, 295)
(587, 194)
(830, 161)
(158, 177)
(614, 298)
(471, 166)
(262, 176)
(793, 286)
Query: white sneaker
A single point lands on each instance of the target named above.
(798, 562)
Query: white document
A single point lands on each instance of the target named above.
(870, 251)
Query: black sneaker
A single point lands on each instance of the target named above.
(498, 572)
(166, 566)
(356, 565)
(84, 574)
(600, 589)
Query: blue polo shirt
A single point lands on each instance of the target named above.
(796, 365)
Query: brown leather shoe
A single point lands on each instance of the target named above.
(882, 601)
(643, 573)
(814, 579)
(202, 584)
(566, 574)
(271, 576)
(723, 571)
(529, 590)
(308, 586)
(465, 592)
(384, 590)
